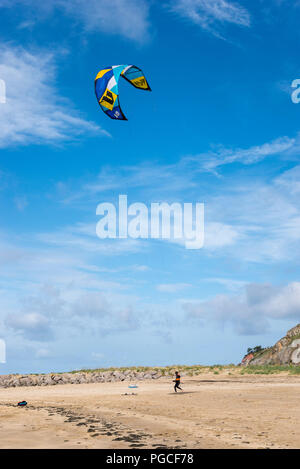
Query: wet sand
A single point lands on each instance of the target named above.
(250, 411)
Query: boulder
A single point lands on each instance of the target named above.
(53, 379)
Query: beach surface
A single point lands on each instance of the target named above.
(214, 411)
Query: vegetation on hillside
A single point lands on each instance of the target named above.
(194, 370)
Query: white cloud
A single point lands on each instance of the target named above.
(127, 18)
(50, 288)
(33, 325)
(219, 235)
(263, 223)
(212, 160)
(167, 177)
(84, 237)
(247, 219)
(60, 297)
(34, 112)
(174, 179)
(250, 310)
(208, 13)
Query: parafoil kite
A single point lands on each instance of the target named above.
(106, 87)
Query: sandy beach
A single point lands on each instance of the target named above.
(213, 412)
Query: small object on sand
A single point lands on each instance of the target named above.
(22, 403)
(133, 386)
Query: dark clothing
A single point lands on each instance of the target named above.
(177, 383)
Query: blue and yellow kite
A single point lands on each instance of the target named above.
(106, 87)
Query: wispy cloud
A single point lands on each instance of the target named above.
(34, 112)
(210, 161)
(254, 220)
(209, 14)
(127, 18)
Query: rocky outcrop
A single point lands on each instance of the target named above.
(285, 352)
(77, 378)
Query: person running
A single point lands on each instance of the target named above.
(177, 382)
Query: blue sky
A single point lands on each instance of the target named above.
(219, 127)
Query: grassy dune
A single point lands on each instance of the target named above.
(195, 370)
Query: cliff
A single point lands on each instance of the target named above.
(285, 352)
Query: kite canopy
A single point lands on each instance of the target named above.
(106, 87)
